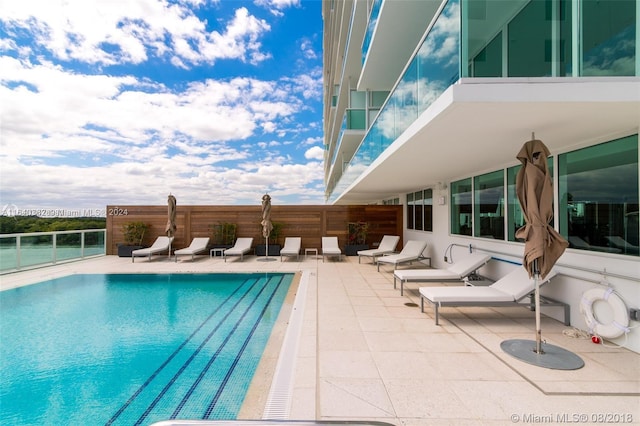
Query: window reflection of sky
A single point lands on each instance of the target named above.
(428, 75)
(611, 185)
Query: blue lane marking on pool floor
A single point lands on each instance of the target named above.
(221, 388)
(195, 353)
(186, 363)
(221, 347)
(174, 354)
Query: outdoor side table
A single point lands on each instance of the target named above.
(216, 252)
(310, 250)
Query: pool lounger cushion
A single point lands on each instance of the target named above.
(507, 291)
(455, 272)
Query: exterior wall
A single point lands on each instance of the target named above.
(494, 102)
(309, 222)
(578, 271)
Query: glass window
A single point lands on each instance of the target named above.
(377, 99)
(461, 207)
(489, 205)
(609, 37)
(537, 36)
(598, 192)
(391, 202)
(428, 210)
(420, 210)
(417, 201)
(529, 36)
(410, 205)
(358, 99)
(514, 211)
(488, 62)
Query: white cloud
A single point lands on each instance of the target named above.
(314, 153)
(306, 46)
(276, 7)
(104, 32)
(73, 138)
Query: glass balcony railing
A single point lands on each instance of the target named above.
(22, 251)
(353, 119)
(356, 119)
(371, 26)
(430, 72)
(468, 39)
(337, 147)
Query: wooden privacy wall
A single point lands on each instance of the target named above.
(309, 222)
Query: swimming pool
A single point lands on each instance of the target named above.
(134, 348)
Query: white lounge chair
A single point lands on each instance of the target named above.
(387, 245)
(291, 247)
(457, 271)
(330, 247)
(410, 252)
(198, 245)
(160, 245)
(507, 291)
(240, 248)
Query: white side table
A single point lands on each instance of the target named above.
(310, 250)
(216, 252)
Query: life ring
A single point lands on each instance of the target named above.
(620, 323)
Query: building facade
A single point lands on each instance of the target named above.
(427, 103)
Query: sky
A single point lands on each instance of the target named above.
(123, 102)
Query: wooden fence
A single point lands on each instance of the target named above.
(307, 221)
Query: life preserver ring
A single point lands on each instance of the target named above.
(620, 323)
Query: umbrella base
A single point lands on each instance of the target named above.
(267, 259)
(552, 356)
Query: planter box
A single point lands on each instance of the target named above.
(352, 250)
(274, 250)
(125, 251)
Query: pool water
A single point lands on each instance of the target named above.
(134, 348)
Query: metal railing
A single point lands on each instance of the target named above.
(37, 249)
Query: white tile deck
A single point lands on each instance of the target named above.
(365, 355)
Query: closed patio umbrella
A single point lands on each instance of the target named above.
(543, 244)
(267, 226)
(171, 227)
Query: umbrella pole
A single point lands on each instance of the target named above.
(536, 280)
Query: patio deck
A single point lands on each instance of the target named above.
(367, 353)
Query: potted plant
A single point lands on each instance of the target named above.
(274, 241)
(224, 234)
(133, 233)
(356, 238)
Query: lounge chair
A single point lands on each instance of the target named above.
(457, 271)
(159, 245)
(507, 291)
(387, 245)
(198, 245)
(330, 247)
(240, 248)
(291, 247)
(410, 252)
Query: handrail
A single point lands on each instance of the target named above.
(15, 254)
(38, 234)
(604, 272)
